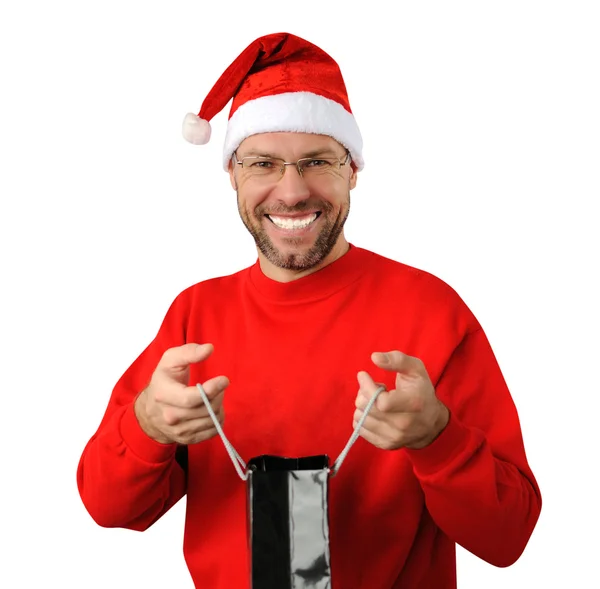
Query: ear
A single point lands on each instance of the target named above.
(353, 176)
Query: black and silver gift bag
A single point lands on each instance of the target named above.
(288, 525)
(288, 513)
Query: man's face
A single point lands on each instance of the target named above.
(267, 206)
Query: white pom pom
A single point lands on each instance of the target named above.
(195, 129)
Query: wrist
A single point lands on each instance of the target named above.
(441, 421)
(439, 425)
(141, 414)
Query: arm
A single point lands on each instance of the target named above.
(125, 478)
(477, 482)
(478, 486)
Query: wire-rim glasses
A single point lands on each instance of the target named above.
(274, 168)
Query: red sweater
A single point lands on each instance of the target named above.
(291, 352)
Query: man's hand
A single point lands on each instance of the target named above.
(169, 410)
(408, 416)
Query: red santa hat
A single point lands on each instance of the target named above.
(279, 83)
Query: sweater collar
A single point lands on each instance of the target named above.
(320, 284)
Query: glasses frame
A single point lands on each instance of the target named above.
(297, 163)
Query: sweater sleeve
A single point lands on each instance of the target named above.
(478, 486)
(126, 479)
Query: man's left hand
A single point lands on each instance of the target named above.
(410, 415)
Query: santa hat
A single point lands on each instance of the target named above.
(279, 83)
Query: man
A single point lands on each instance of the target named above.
(292, 349)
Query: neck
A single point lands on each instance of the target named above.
(285, 275)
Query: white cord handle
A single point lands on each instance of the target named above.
(238, 463)
(355, 433)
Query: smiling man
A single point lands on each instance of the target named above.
(316, 339)
(296, 219)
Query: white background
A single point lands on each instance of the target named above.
(481, 127)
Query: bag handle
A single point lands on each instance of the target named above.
(239, 464)
(336, 465)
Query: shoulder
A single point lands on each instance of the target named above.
(396, 272)
(219, 288)
(422, 289)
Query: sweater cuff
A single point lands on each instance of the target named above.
(140, 443)
(443, 450)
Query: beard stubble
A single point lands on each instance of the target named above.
(297, 261)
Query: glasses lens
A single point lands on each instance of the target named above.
(316, 167)
(261, 166)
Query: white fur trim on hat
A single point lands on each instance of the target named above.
(296, 112)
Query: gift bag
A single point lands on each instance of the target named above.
(288, 513)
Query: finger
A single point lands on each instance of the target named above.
(197, 430)
(367, 386)
(362, 400)
(216, 404)
(373, 414)
(397, 361)
(189, 397)
(379, 433)
(183, 420)
(212, 387)
(206, 424)
(176, 414)
(369, 436)
(401, 401)
(370, 423)
(174, 360)
(393, 401)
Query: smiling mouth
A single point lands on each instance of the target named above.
(293, 222)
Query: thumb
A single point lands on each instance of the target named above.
(394, 361)
(176, 360)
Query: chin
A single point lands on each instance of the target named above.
(303, 256)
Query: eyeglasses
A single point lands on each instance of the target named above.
(273, 168)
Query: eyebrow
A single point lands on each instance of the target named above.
(316, 152)
(256, 153)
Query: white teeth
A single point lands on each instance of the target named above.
(297, 223)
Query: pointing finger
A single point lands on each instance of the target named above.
(367, 388)
(213, 387)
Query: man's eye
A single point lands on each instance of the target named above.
(262, 164)
(317, 164)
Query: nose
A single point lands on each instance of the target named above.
(291, 188)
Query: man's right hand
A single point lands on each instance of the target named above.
(169, 410)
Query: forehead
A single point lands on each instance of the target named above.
(288, 144)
